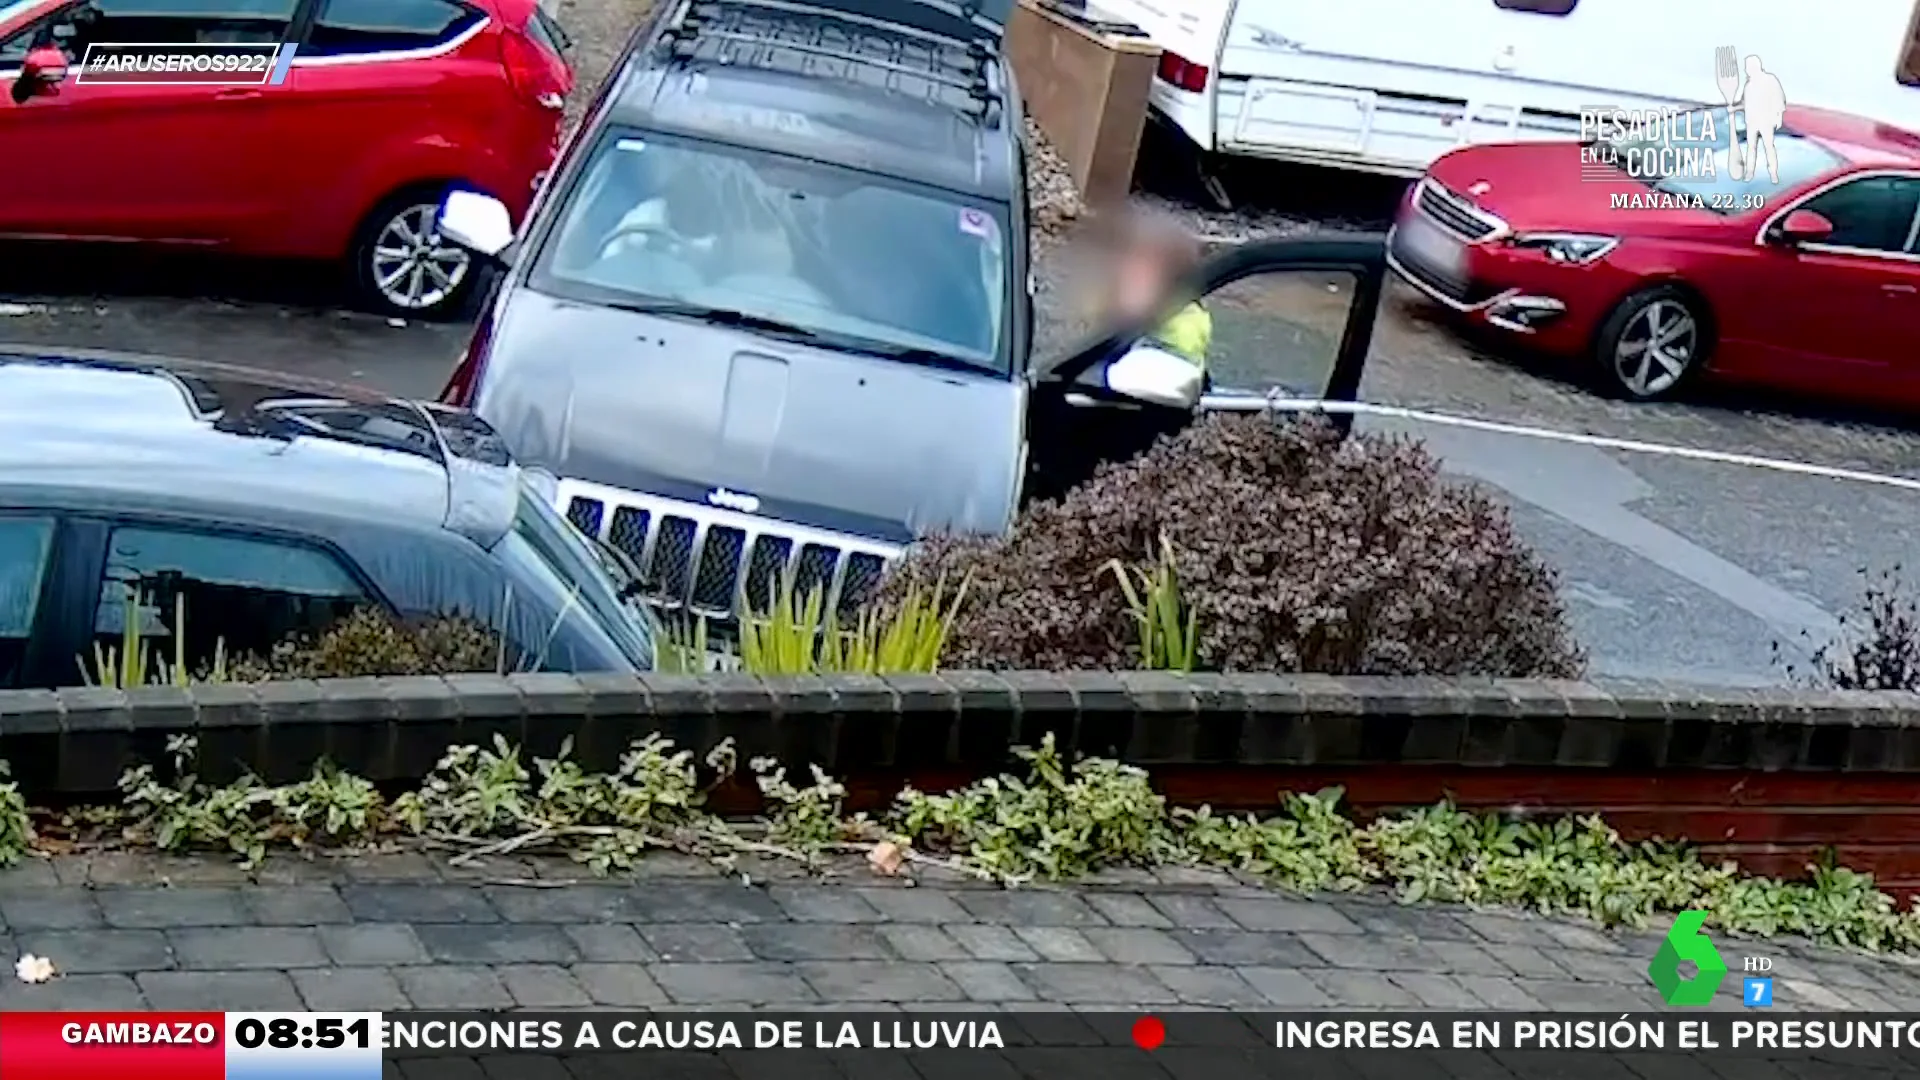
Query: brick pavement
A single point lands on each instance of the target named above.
(407, 930)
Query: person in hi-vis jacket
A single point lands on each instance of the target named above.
(1155, 256)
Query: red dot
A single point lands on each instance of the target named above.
(1149, 1033)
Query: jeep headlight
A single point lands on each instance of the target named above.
(1576, 248)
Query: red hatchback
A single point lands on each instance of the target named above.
(1805, 277)
(375, 110)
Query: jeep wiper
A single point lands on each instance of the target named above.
(714, 316)
(908, 354)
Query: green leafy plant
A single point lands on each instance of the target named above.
(799, 636)
(682, 647)
(137, 662)
(1059, 821)
(1169, 629)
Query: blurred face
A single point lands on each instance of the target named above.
(1142, 279)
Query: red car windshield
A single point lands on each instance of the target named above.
(1723, 190)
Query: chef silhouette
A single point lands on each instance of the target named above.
(1764, 105)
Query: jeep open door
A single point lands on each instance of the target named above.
(1291, 324)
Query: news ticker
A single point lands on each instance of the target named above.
(1112, 1046)
(224, 64)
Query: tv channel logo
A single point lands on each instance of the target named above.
(1687, 943)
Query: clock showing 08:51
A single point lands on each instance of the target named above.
(303, 1046)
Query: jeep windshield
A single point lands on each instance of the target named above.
(811, 251)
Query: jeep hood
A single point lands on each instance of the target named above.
(873, 447)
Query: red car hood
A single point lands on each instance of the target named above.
(1540, 186)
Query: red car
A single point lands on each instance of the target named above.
(1806, 280)
(345, 155)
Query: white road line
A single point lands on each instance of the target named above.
(1237, 403)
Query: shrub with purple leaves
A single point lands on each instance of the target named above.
(1297, 551)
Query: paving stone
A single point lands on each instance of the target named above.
(410, 903)
(1437, 991)
(1220, 987)
(913, 905)
(913, 941)
(505, 943)
(594, 903)
(1582, 938)
(987, 981)
(878, 980)
(51, 908)
(1193, 912)
(612, 943)
(1529, 962)
(823, 904)
(750, 984)
(1465, 958)
(1500, 992)
(624, 985)
(96, 952)
(1286, 987)
(453, 987)
(1844, 976)
(235, 948)
(1373, 952)
(1060, 944)
(1504, 929)
(1138, 945)
(1096, 984)
(295, 905)
(1403, 921)
(1571, 995)
(543, 986)
(220, 991)
(1286, 915)
(73, 993)
(815, 941)
(151, 908)
(702, 902)
(349, 989)
(696, 943)
(1128, 909)
(1366, 989)
(373, 944)
(1030, 908)
(1246, 947)
(991, 942)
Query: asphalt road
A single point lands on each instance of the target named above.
(1672, 567)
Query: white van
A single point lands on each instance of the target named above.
(1386, 86)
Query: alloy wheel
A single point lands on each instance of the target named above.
(413, 269)
(1656, 347)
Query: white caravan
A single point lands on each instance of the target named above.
(1388, 85)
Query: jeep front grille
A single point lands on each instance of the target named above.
(711, 561)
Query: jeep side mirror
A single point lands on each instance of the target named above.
(1152, 375)
(1803, 227)
(41, 73)
(479, 223)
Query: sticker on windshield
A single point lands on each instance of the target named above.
(631, 146)
(975, 223)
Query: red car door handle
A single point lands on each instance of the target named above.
(1907, 289)
(238, 93)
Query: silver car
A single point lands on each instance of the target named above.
(768, 320)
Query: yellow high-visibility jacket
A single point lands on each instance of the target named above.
(1189, 332)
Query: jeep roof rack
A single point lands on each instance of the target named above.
(951, 45)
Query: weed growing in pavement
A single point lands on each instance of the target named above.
(1879, 643)
(1059, 820)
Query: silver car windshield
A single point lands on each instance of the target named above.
(825, 249)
